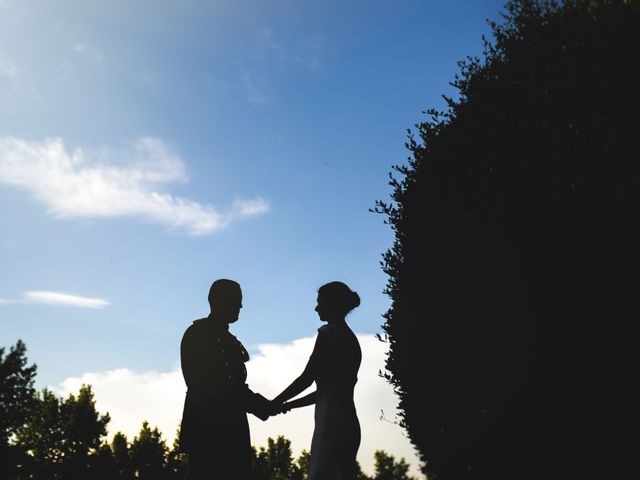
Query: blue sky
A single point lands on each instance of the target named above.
(150, 147)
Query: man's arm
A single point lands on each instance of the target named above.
(189, 360)
(254, 403)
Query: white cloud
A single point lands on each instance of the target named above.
(250, 208)
(57, 298)
(131, 397)
(158, 397)
(106, 183)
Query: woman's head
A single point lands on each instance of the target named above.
(335, 301)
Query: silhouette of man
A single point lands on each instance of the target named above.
(215, 431)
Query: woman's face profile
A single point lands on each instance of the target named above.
(321, 309)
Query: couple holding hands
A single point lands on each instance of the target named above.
(215, 431)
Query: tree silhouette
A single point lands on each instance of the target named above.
(121, 458)
(280, 459)
(104, 464)
(303, 463)
(62, 437)
(65, 439)
(17, 398)
(387, 468)
(42, 436)
(275, 462)
(83, 429)
(177, 462)
(516, 249)
(148, 453)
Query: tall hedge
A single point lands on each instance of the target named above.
(515, 259)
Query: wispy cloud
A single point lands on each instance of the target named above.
(250, 207)
(302, 52)
(8, 68)
(274, 55)
(255, 88)
(105, 183)
(57, 298)
(159, 396)
(88, 51)
(16, 88)
(8, 245)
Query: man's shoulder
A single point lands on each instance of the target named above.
(194, 329)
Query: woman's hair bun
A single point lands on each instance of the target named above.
(340, 295)
(355, 300)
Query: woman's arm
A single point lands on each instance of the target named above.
(305, 380)
(298, 386)
(300, 402)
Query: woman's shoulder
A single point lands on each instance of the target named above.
(327, 329)
(327, 334)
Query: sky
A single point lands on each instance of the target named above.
(148, 148)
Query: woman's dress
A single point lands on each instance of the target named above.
(336, 437)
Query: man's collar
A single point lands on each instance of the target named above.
(217, 325)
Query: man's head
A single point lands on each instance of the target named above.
(225, 300)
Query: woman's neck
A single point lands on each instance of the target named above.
(340, 322)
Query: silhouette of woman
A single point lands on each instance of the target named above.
(333, 365)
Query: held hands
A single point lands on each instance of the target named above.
(278, 407)
(263, 408)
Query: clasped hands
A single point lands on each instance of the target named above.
(268, 408)
(277, 408)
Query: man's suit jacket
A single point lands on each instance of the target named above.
(214, 419)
